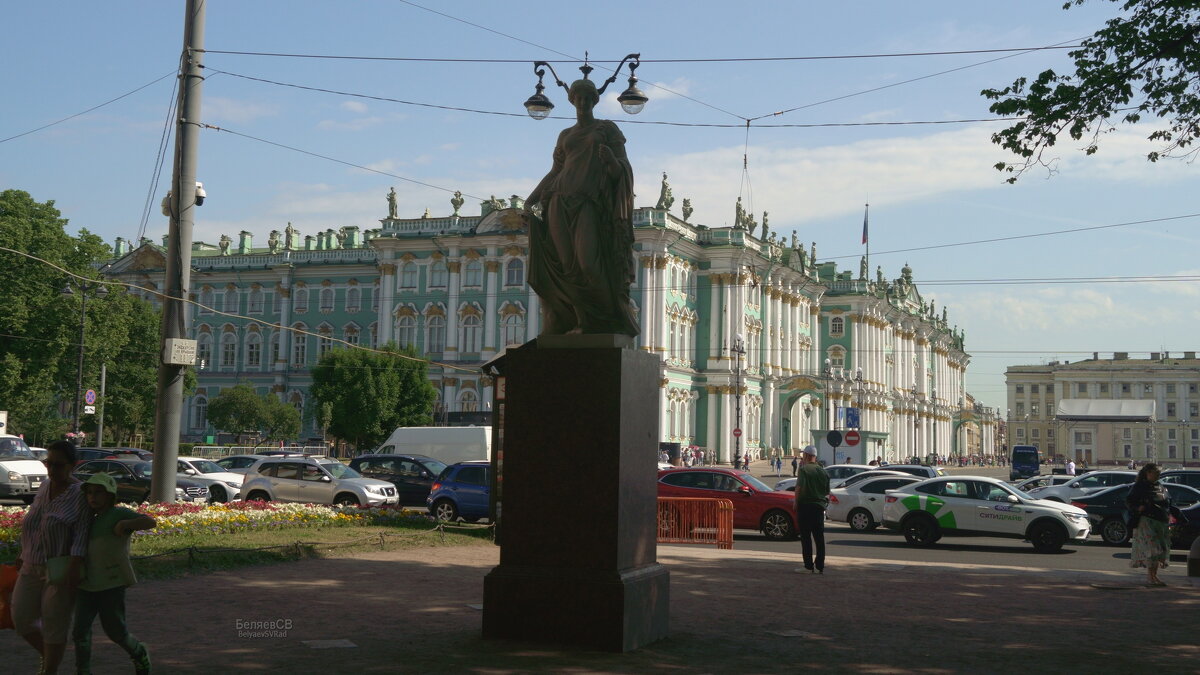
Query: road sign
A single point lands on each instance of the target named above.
(852, 437)
(852, 419)
(89, 396)
(834, 438)
(89, 410)
(737, 433)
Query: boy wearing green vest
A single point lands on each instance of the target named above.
(108, 573)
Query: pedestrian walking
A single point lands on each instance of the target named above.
(795, 464)
(1149, 511)
(54, 539)
(1070, 467)
(812, 496)
(109, 573)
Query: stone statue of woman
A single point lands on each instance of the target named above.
(581, 250)
(665, 198)
(391, 197)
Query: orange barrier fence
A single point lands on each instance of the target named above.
(686, 520)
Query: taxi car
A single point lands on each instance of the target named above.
(981, 506)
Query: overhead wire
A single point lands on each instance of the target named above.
(84, 112)
(163, 143)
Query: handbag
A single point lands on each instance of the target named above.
(8, 581)
(57, 568)
(1131, 520)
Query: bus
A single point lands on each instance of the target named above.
(1025, 462)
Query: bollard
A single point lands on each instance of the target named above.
(1194, 559)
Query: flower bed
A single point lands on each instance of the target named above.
(189, 518)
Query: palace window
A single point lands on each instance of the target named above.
(473, 274)
(254, 304)
(325, 342)
(469, 334)
(326, 300)
(231, 301)
(406, 332)
(514, 272)
(353, 299)
(300, 300)
(438, 275)
(408, 276)
(837, 326)
(200, 413)
(513, 326)
(204, 350)
(468, 402)
(206, 301)
(435, 334)
(254, 350)
(351, 334)
(228, 350)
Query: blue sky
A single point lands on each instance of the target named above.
(928, 185)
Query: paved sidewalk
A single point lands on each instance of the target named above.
(731, 612)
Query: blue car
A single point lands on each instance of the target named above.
(461, 491)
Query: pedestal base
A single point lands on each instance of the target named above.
(577, 498)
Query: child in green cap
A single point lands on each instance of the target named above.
(108, 574)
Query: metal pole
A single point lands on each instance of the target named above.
(737, 439)
(79, 366)
(100, 417)
(169, 413)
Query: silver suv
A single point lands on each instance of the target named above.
(314, 480)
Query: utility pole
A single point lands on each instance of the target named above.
(174, 360)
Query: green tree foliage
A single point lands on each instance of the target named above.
(1144, 63)
(241, 409)
(372, 393)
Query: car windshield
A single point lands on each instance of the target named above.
(756, 483)
(206, 466)
(339, 470)
(1017, 491)
(14, 448)
(435, 467)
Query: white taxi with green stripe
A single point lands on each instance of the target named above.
(980, 506)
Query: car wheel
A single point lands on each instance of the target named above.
(1114, 531)
(258, 496)
(346, 499)
(920, 530)
(778, 525)
(860, 520)
(444, 509)
(1047, 538)
(217, 495)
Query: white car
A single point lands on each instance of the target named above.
(1045, 480)
(921, 470)
(238, 463)
(223, 486)
(838, 473)
(314, 480)
(1086, 484)
(981, 506)
(21, 474)
(861, 504)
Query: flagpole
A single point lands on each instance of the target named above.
(866, 239)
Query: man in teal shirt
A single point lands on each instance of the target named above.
(108, 573)
(812, 496)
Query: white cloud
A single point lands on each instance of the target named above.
(354, 106)
(218, 109)
(357, 124)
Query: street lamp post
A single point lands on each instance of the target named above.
(82, 288)
(738, 350)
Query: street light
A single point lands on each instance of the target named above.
(82, 288)
(738, 350)
(632, 100)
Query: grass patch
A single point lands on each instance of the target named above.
(184, 554)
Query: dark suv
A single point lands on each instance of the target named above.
(1188, 477)
(413, 475)
(462, 490)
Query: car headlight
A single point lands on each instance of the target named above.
(231, 484)
(1076, 516)
(374, 489)
(15, 476)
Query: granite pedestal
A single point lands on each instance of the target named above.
(578, 499)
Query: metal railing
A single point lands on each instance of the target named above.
(217, 451)
(685, 520)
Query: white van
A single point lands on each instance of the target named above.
(20, 474)
(445, 444)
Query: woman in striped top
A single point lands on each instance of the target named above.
(56, 524)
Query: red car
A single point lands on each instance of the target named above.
(755, 505)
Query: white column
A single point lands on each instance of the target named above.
(644, 314)
(452, 310)
(662, 414)
(533, 316)
(489, 320)
(387, 297)
(714, 317)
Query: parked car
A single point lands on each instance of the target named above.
(1106, 509)
(1188, 477)
(122, 453)
(413, 475)
(755, 505)
(313, 480)
(462, 490)
(88, 454)
(861, 504)
(873, 473)
(1045, 480)
(240, 463)
(1090, 482)
(133, 480)
(919, 470)
(39, 454)
(978, 505)
(21, 474)
(842, 471)
(222, 485)
(1186, 527)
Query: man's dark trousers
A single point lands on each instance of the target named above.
(811, 524)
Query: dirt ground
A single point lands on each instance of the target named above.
(418, 611)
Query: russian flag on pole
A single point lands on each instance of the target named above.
(866, 211)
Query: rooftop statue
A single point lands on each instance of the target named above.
(391, 197)
(273, 241)
(687, 209)
(739, 215)
(224, 243)
(581, 250)
(665, 199)
(456, 201)
(765, 228)
(879, 274)
(862, 268)
(289, 237)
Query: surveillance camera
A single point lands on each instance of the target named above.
(166, 205)
(200, 193)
